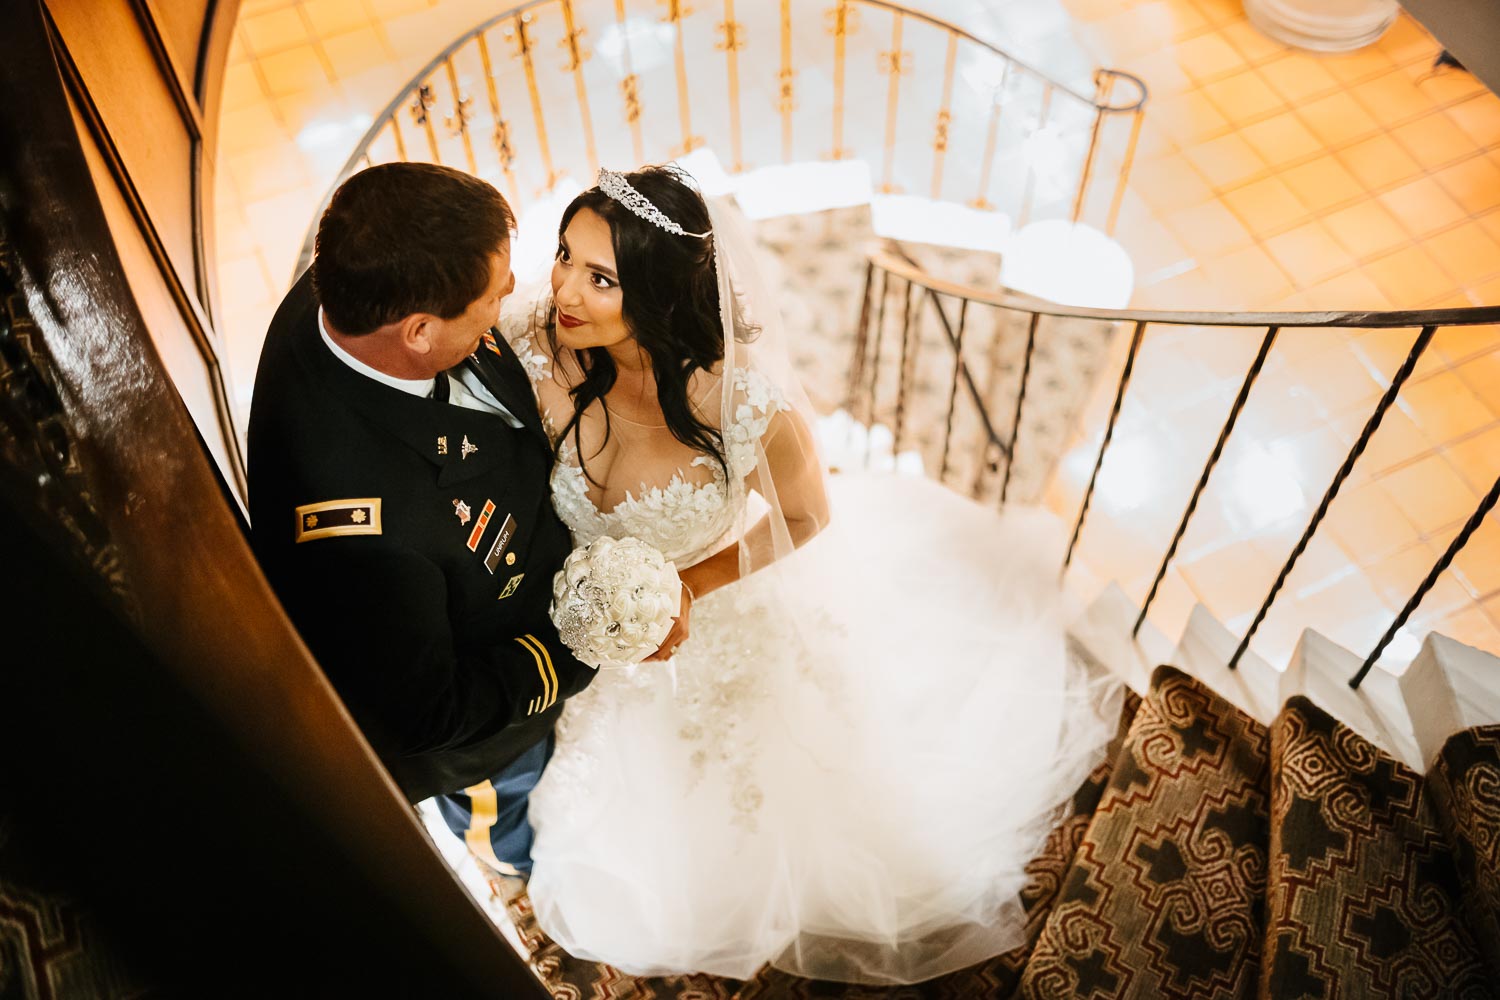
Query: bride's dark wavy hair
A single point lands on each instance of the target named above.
(670, 304)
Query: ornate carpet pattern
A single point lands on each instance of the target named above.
(569, 978)
(1164, 897)
(50, 947)
(1363, 897)
(1466, 786)
(1209, 857)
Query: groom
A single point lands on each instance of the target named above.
(399, 497)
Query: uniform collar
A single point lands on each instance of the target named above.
(415, 386)
(461, 443)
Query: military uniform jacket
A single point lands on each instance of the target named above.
(413, 543)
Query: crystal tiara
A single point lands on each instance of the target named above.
(617, 187)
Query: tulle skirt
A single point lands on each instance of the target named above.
(847, 766)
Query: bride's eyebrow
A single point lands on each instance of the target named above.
(607, 272)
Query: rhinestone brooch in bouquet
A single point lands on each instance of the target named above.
(614, 600)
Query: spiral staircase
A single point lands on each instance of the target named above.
(1323, 826)
(1258, 827)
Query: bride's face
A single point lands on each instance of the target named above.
(586, 285)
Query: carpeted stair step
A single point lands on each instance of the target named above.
(1465, 782)
(1165, 895)
(566, 976)
(1362, 895)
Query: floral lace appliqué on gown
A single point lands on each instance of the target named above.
(847, 766)
(684, 520)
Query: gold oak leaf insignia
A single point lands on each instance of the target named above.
(358, 517)
(311, 520)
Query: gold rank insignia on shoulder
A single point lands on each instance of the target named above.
(360, 516)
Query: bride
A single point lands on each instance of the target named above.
(864, 722)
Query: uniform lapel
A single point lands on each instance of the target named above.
(501, 371)
(460, 442)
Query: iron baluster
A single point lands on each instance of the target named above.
(1213, 460)
(958, 362)
(1109, 433)
(901, 371)
(1420, 345)
(885, 281)
(1454, 547)
(861, 337)
(1015, 427)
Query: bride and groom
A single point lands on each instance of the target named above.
(863, 723)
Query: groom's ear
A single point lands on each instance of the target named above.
(418, 332)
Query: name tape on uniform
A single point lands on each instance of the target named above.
(507, 529)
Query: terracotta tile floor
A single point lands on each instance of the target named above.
(1267, 178)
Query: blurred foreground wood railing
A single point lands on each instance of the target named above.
(179, 777)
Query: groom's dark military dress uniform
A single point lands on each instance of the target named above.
(413, 543)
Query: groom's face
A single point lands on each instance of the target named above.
(455, 339)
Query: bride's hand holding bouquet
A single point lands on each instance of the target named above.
(618, 602)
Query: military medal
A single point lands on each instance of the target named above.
(480, 525)
(463, 511)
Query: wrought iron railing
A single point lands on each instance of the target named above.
(891, 276)
(764, 84)
(989, 130)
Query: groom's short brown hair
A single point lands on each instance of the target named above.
(403, 238)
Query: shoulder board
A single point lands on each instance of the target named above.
(360, 516)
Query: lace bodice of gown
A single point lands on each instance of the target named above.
(642, 482)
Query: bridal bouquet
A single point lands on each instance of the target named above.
(614, 600)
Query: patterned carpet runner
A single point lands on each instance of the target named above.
(1211, 857)
(1466, 786)
(1363, 897)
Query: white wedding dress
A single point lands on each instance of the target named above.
(847, 766)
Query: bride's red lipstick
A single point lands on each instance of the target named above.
(568, 321)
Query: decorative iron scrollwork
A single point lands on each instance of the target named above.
(503, 148)
(458, 122)
(895, 63)
(630, 87)
(843, 20)
(577, 54)
(731, 36)
(940, 140)
(422, 104)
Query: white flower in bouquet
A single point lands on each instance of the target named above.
(614, 600)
